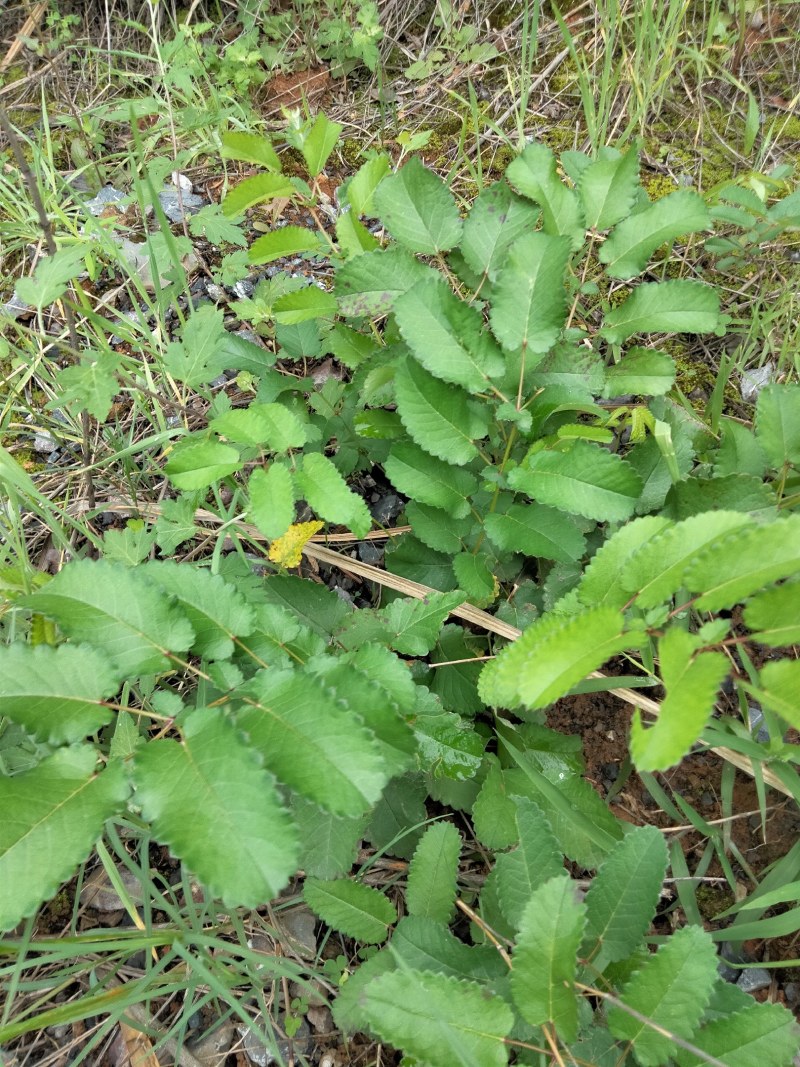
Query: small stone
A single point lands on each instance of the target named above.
(44, 442)
(107, 196)
(370, 552)
(178, 206)
(243, 289)
(16, 308)
(216, 292)
(753, 381)
(258, 1053)
(299, 925)
(757, 727)
(730, 952)
(211, 1049)
(320, 1018)
(753, 979)
(387, 508)
(792, 993)
(98, 892)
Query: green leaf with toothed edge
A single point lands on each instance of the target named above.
(271, 499)
(603, 582)
(429, 480)
(760, 1035)
(442, 419)
(432, 872)
(671, 990)
(691, 680)
(678, 306)
(778, 423)
(52, 815)
(545, 957)
(118, 610)
(369, 284)
(536, 530)
(210, 800)
(534, 174)
(529, 303)
(627, 251)
(607, 189)
(775, 615)
(254, 191)
(536, 859)
(439, 1019)
(326, 491)
(418, 209)
(287, 241)
(250, 148)
(56, 693)
(496, 219)
(351, 908)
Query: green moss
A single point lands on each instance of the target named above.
(712, 899)
(659, 185)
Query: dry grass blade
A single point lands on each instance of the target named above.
(466, 612)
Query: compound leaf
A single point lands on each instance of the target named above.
(583, 480)
(116, 609)
(431, 889)
(57, 694)
(671, 990)
(545, 957)
(418, 209)
(622, 898)
(351, 908)
(691, 682)
(439, 1019)
(52, 815)
(218, 810)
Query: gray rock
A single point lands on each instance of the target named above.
(370, 552)
(258, 1053)
(298, 924)
(731, 952)
(99, 893)
(45, 443)
(179, 205)
(243, 289)
(753, 381)
(757, 727)
(211, 1049)
(753, 979)
(792, 992)
(107, 195)
(387, 508)
(216, 292)
(16, 308)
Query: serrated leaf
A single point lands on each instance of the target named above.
(739, 451)
(430, 481)
(607, 189)
(319, 142)
(271, 495)
(118, 611)
(671, 990)
(536, 859)
(51, 276)
(778, 423)
(438, 530)
(287, 241)
(456, 684)
(250, 148)
(315, 606)
(326, 491)
(762, 1035)
(656, 569)
(329, 845)
(418, 209)
(216, 610)
(210, 801)
(529, 302)
(439, 1019)
(545, 957)
(775, 614)
(551, 657)
(368, 285)
(475, 576)
(52, 815)
(733, 492)
(431, 888)
(427, 945)
(360, 189)
(308, 303)
(779, 686)
(413, 625)
(641, 371)
(627, 251)
(351, 908)
(211, 223)
(447, 336)
(350, 347)
(92, 384)
(398, 819)
(585, 479)
(603, 581)
(536, 530)
(494, 813)
(534, 174)
(622, 898)
(312, 742)
(448, 746)
(663, 307)
(496, 219)
(194, 464)
(256, 190)
(691, 682)
(353, 236)
(741, 564)
(441, 419)
(192, 359)
(271, 426)
(175, 523)
(56, 693)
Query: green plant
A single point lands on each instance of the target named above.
(502, 374)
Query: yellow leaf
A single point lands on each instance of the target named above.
(287, 551)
